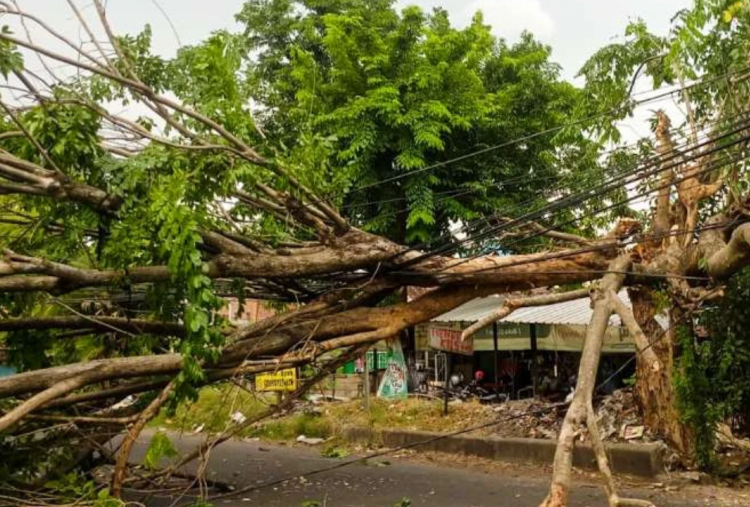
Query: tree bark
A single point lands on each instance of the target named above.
(581, 410)
(654, 391)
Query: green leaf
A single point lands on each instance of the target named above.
(160, 447)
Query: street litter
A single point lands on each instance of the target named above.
(238, 417)
(310, 440)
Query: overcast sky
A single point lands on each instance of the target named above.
(574, 28)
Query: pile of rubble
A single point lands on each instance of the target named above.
(529, 418)
(619, 420)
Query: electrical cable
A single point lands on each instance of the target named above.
(705, 80)
(559, 203)
(386, 452)
(640, 238)
(583, 196)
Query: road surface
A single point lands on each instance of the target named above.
(381, 484)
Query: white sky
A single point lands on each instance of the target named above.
(574, 28)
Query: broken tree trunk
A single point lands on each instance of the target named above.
(653, 389)
(581, 410)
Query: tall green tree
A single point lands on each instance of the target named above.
(372, 100)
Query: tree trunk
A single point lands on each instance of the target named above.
(653, 389)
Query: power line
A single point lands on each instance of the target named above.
(471, 429)
(635, 197)
(521, 177)
(528, 137)
(557, 204)
(608, 185)
(597, 190)
(585, 250)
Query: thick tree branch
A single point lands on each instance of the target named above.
(118, 475)
(732, 256)
(641, 341)
(97, 323)
(664, 149)
(581, 410)
(39, 400)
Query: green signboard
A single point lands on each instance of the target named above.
(393, 384)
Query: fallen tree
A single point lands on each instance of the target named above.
(156, 217)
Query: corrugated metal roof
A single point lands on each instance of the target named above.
(472, 311)
(576, 312)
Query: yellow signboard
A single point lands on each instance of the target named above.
(282, 380)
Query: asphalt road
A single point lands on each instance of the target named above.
(383, 485)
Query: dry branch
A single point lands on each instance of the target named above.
(641, 341)
(118, 475)
(581, 410)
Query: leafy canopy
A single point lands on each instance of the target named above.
(365, 100)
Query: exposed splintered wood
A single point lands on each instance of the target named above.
(581, 410)
(665, 149)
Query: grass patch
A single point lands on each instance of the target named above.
(216, 404)
(290, 427)
(214, 408)
(415, 414)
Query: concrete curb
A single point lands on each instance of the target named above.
(643, 460)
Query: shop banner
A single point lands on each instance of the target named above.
(449, 340)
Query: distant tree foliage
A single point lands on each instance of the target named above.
(361, 93)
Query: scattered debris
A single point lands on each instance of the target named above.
(126, 402)
(320, 398)
(632, 432)
(238, 417)
(618, 418)
(310, 440)
(334, 452)
(691, 476)
(313, 410)
(727, 440)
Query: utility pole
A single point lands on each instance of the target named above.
(366, 393)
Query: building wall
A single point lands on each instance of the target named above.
(253, 310)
